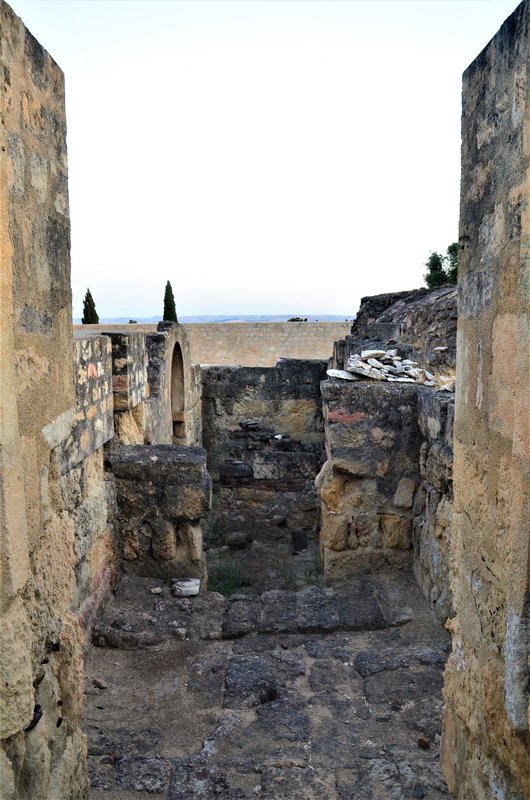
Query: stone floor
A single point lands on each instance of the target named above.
(332, 694)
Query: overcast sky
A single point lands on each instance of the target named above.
(266, 157)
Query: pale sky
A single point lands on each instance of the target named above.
(265, 156)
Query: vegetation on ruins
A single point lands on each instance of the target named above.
(90, 315)
(442, 268)
(224, 575)
(170, 312)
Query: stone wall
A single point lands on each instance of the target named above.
(423, 318)
(485, 742)
(250, 344)
(368, 483)
(263, 433)
(173, 410)
(163, 493)
(433, 502)
(42, 749)
(386, 488)
(261, 344)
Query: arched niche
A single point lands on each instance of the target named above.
(177, 396)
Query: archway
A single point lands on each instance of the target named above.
(177, 396)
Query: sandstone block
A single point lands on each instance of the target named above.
(163, 541)
(16, 689)
(396, 531)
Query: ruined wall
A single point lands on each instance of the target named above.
(263, 433)
(386, 488)
(424, 318)
(163, 493)
(368, 482)
(173, 410)
(433, 501)
(157, 389)
(485, 742)
(41, 691)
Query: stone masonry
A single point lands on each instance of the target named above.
(486, 740)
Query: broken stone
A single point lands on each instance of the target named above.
(250, 424)
(339, 373)
(155, 590)
(99, 684)
(440, 349)
(189, 587)
(366, 354)
(404, 493)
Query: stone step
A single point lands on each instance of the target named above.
(144, 613)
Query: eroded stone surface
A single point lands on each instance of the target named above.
(319, 694)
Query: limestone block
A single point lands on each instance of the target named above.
(396, 531)
(164, 541)
(7, 777)
(16, 689)
(404, 493)
(192, 534)
(14, 559)
(37, 761)
(70, 671)
(69, 776)
(334, 531)
(135, 541)
(126, 429)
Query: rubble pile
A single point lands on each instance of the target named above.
(388, 365)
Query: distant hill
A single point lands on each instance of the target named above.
(228, 318)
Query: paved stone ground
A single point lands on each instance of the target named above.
(332, 694)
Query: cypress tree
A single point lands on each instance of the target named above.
(90, 315)
(170, 312)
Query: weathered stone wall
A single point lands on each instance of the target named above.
(262, 344)
(386, 488)
(422, 323)
(263, 433)
(129, 369)
(485, 743)
(93, 422)
(433, 502)
(250, 344)
(163, 492)
(157, 389)
(368, 483)
(42, 749)
(423, 318)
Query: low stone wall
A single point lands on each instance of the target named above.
(262, 343)
(163, 492)
(263, 432)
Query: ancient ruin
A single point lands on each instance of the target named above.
(266, 578)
